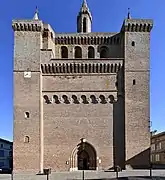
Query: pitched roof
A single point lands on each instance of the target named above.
(158, 135)
(6, 141)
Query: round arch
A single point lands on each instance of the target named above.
(104, 52)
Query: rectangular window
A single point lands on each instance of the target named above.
(1, 164)
(10, 154)
(2, 154)
(152, 158)
(152, 147)
(159, 146)
(1, 145)
(157, 157)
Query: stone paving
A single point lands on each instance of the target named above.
(92, 175)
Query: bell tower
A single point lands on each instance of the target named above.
(84, 19)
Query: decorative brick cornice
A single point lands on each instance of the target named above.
(137, 25)
(80, 99)
(25, 25)
(80, 68)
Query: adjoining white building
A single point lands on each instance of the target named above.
(6, 157)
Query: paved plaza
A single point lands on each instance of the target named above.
(133, 174)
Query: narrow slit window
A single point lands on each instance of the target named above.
(134, 82)
(133, 43)
(84, 25)
(27, 115)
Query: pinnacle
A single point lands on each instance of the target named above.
(85, 9)
(129, 14)
(84, 2)
(36, 14)
(84, 6)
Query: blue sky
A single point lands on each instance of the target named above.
(108, 16)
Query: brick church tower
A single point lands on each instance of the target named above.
(81, 100)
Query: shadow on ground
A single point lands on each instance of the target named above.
(131, 178)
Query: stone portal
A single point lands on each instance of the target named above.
(84, 157)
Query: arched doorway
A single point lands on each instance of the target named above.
(84, 157)
(83, 160)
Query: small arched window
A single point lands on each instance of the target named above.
(91, 52)
(64, 52)
(104, 52)
(84, 99)
(78, 52)
(84, 25)
(27, 115)
(26, 139)
(47, 100)
(103, 100)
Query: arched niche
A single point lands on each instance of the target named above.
(78, 52)
(91, 52)
(104, 52)
(64, 52)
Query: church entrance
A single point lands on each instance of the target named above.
(86, 157)
(83, 161)
(83, 157)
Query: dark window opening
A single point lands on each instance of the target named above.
(103, 100)
(94, 99)
(111, 97)
(91, 52)
(27, 139)
(75, 100)
(45, 34)
(47, 100)
(84, 98)
(56, 100)
(134, 82)
(66, 100)
(51, 35)
(64, 52)
(78, 52)
(1, 145)
(104, 52)
(84, 25)
(27, 115)
(133, 43)
(2, 153)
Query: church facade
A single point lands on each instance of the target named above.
(81, 100)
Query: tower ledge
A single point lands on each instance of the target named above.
(27, 25)
(137, 25)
